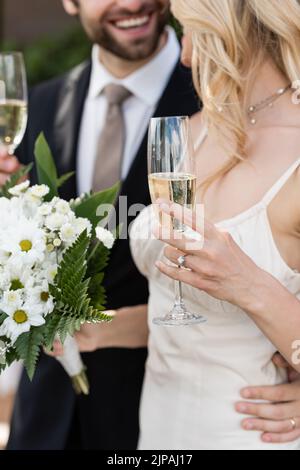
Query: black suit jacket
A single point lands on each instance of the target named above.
(47, 414)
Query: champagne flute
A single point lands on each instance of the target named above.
(13, 100)
(172, 177)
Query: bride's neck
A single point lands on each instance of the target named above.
(266, 82)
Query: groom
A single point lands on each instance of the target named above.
(95, 119)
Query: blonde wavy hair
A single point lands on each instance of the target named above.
(231, 39)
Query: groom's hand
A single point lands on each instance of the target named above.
(278, 420)
(8, 166)
(128, 329)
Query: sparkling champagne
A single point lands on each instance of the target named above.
(13, 120)
(176, 187)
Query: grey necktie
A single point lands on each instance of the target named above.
(112, 140)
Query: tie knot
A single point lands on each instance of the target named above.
(116, 94)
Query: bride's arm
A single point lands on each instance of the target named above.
(277, 313)
(219, 267)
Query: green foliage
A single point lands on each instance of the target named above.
(13, 180)
(88, 208)
(46, 168)
(98, 259)
(71, 290)
(64, 178)
(10, 357)
(28, 348)
(53, 55)
(3, 316)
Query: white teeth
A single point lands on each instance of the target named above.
(132, 23)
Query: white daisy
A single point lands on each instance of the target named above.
(68, 233)
(40, 295)
(20, 319)
(50, 273)
(25, 241)
(16, 277)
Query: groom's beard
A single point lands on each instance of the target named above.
(137, 48)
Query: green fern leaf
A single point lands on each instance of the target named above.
(28, 348)
(3, 316)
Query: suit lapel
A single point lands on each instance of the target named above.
(67, 122)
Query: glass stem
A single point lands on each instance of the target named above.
(179, 303)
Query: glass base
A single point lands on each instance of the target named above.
(179, 317)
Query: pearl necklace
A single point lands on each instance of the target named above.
(268, 102)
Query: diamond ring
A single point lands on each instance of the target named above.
(181, 261)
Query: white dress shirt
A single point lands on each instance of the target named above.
(146, 85)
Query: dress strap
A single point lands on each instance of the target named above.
(272, 193)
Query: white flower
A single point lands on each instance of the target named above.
(40, 295)
(4, 203)
(55, 221)
(82, 224)
(39, 191)
(25, 241)
(19, 188)
(62, 207)
(21, 316)
(4, 279)
(68, 233)
(45, 209)
(10, 300)
(4, 255)
(51, 272)
(16, 277)
(105, 236)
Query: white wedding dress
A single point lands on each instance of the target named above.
(194, 374)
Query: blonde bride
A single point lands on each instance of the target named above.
(245, 56)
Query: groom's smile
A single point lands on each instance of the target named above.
(129, 29)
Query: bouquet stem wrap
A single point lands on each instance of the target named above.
(73, 365)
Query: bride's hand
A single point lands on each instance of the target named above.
(215, 265)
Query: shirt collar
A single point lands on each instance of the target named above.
(145, 83)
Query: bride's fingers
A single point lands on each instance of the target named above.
(193, 219)
(178, 240)
(172, 254)
(190, 262)
(269, 426)
(185, 276)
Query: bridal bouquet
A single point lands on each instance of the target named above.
(52, 259)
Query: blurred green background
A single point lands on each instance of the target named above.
(51, 41)
(51, 56)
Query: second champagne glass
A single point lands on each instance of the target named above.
(13, 100)
(172, 177)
